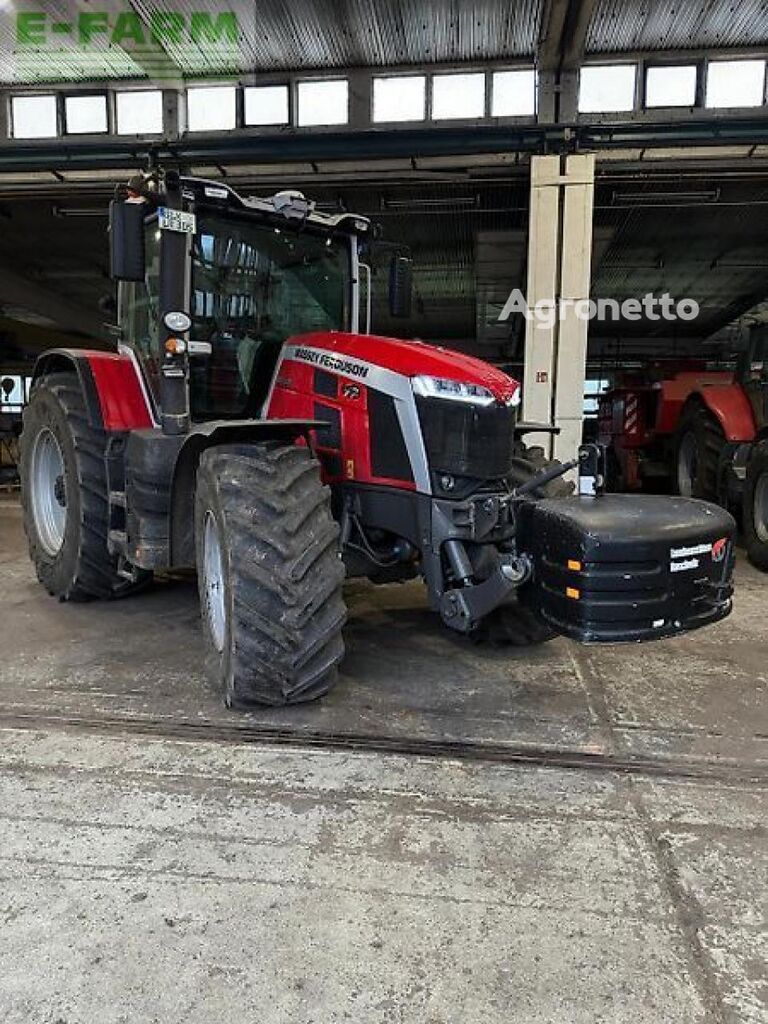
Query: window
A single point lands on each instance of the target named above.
(673, 86)
(211, 108)
(140, 113)
(253, 286)
(735, 83)
(455, 96)
(607, 88)
(85, 115)
(139, 303)
(266, 104)
(34, 117)
(399, 98)
(13, 392)
(593, 389)
(322, 103)
(513, 94)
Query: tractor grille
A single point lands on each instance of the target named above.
(467, 440)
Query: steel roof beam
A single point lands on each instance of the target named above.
(58, 157)
(17, 291)
(560, 53)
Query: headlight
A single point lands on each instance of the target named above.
(456, 390)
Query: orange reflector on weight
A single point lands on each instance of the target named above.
(573, 592)
(573, 564)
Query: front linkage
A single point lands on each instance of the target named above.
(595, 567)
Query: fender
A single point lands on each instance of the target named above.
(209, 435)
(732, 409)
(114, 396)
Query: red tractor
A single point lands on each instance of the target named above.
(706, 432)
(246, 427)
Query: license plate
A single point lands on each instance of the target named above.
(176, 220)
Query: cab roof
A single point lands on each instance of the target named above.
(290, 206)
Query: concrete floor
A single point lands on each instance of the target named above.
(153, 879)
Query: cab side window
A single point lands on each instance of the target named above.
(140, 311)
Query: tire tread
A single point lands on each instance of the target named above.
(95, 573)
(286, 575)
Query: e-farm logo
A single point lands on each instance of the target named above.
(40, 29)
(67, 40)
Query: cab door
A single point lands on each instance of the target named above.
(139, 312)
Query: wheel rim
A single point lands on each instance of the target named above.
(213, 582)
(760, 508)
(687, 464)
(48, 492)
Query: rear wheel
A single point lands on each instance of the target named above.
(64, 495)
(755, 508)
(699, 443)
(269, 574)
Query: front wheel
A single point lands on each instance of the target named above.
(755, 508)
(514, 624)
(269, 574)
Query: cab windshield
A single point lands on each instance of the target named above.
(254, 286)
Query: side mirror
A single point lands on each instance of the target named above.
(400, 286)
(126, 240)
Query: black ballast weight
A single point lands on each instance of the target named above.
(627, 567)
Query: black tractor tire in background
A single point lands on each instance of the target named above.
(530, 461)
(269, 573)
(514, 625)
(755, 507)
(699, 442)
(64, 495)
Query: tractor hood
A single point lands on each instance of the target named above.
(341, 351)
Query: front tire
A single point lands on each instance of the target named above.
(699, 443)
(64, 495)
(269, 574)
(755, 508)
(513, 624)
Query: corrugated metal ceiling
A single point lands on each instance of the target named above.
(639, 25)
(300, 35)
(276, 36)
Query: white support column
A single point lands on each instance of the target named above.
(543, 274)
(559, 267)
(575, 274)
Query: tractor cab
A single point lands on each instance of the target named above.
(211, 285)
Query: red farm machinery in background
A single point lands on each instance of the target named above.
(703, 433)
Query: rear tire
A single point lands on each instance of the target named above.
(755, 508)
(269, 573)
(699, 443)
(64, 495)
